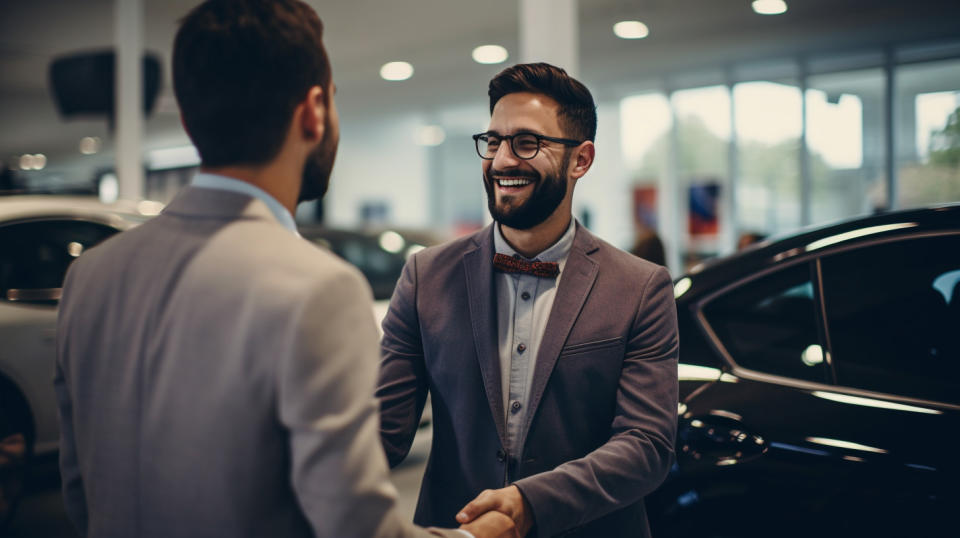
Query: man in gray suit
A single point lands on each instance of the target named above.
(215, 371)
(551, 356)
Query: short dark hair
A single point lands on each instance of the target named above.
(240, 67)
(578, 112)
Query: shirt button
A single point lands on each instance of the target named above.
(521, 348)
(515, 406)
(525, 296)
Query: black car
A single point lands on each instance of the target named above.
(820, 385)
(379, 254)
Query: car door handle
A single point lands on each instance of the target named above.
(718, 440)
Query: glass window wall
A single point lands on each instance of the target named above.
(845, 144)
(768, 120)
(928, 133)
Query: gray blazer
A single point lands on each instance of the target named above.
(603, 407)
(215, 377)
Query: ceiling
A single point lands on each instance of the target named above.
(437, 37)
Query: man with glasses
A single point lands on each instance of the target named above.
(551, 356)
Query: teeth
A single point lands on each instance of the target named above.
(513, 182)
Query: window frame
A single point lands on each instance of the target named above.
(932, 234)
(107, 221)
(737, 370)
(717, 343)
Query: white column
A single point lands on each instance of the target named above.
(128, 34)
(549, 33)
(670, 200)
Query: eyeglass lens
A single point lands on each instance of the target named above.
(524, 145)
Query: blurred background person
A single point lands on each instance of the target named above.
(648, 246)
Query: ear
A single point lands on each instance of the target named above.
(582, 157)
(311, 114)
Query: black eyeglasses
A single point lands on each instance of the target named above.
(524, 145)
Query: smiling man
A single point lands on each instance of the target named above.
(550, 354)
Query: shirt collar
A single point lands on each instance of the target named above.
(555, 253)
(205, 180)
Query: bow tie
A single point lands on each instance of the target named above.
(509, 264)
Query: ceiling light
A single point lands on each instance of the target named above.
(396, 71)
(631, 30)
(33, 162)
(89, 145)
(769, 7)
(490, 54)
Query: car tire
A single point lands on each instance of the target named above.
(16, 451)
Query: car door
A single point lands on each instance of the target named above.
(796, 437)
(892, 310)
(745, 466)
(34, 257)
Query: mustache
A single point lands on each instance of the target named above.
(513, 173)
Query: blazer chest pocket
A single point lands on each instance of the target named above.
(609, 347)
(590, 371)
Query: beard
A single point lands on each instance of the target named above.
(317, 169)
(548, 192)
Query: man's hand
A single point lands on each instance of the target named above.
(492, 525)
(508, 501)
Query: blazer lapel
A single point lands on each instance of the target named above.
(579, 275)
(478, 268)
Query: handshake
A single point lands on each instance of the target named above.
(497, 513)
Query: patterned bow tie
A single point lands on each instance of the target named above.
(509, 264)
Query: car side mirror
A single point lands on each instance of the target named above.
(34, 295)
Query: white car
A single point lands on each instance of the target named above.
(39, 237)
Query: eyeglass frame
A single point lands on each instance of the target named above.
(540, 138)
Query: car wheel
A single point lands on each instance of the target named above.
(16, 449)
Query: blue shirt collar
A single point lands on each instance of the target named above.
(205, 180)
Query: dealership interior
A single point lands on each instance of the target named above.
(720, 122)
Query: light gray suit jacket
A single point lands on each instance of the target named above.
(215, 377)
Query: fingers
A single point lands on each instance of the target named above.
(492, 524)
(482, 504)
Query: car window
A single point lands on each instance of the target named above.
(893, 315)
(36, 254)
(381, 268)
(770, 325)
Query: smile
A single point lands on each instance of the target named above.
(513, 182)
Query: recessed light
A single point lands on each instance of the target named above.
(396, 71)
(631, 30)
(490, 54)
(769, 7)
(33, 162)
(89, 145)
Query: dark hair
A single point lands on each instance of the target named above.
(239, 69)
(578, 112)
(649, 247)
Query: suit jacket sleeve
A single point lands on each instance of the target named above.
(636, 458)
(74, 498)
(325, 392)
(403, 387)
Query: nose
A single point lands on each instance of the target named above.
(505, 157)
